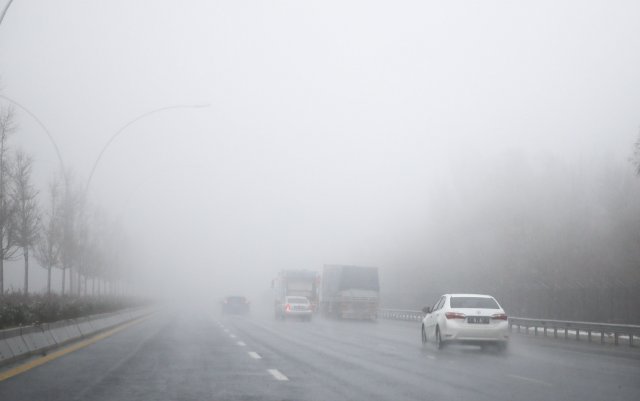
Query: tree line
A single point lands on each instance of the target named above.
(550, 238)
(58, 226)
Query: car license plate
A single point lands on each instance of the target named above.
(478, 319)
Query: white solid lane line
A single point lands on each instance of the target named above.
(240, 343)
(277, 375)
(530, 380)
(254, 355)
(232, 336)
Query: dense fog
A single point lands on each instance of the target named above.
(467, 146)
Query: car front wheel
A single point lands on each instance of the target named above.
(439, 342)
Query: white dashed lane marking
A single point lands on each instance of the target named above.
(531, 380)
(241, 343)
(254, 355)
(277, 375)
(232, 336)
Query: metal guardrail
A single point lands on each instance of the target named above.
(568, 329)
(576, 329)
(401, 314)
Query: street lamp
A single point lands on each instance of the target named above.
(114, 136)
(44, 128)
(4, 12)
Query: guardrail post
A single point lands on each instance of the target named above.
(577, 334)
(566, 333)
(602, 337)
(545, 331)
(615, 338)
(631, 339)
(535, 330)
(589, 335)
(555, 332)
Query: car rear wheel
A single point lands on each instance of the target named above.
(439, 342)
(424, 336)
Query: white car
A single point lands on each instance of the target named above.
(294, 306)
(466, 318)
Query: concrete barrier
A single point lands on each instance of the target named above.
(25, 341)
(16, 343)
(5, 351)
(37, 338)
(59, 331)
(85, 327)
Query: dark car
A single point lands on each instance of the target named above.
(235, 305)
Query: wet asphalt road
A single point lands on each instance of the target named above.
(172, 356)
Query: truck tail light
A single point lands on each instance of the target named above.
(287, 307)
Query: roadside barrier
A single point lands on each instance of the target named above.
(577, 330)
(401, 314)
(22, 342)
(614, 333)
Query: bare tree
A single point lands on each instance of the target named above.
(7, 209)
(71, 203)
(27, 215)
(48, 246)
(635, 158)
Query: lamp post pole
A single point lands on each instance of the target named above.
(124, 127)
(4, 12)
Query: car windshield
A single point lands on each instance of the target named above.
(473, 302)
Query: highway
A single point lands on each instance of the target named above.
(205, 356)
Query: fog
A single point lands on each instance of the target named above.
(447, 143)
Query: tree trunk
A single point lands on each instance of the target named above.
(71, 289)
(26, 270)
(64, 278)
(93, 286)
(1, 271)
(49, 280)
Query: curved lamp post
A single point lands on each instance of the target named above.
(4, 12)
(140, 117)
(44, 128)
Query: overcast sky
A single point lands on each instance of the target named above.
(329, 122)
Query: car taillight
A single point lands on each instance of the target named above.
(287, 307)
(499, 316)
(454, 315)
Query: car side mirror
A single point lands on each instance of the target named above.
(426, 310)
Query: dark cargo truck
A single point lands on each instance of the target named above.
(350, 292)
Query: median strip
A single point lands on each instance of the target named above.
(55, 355)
